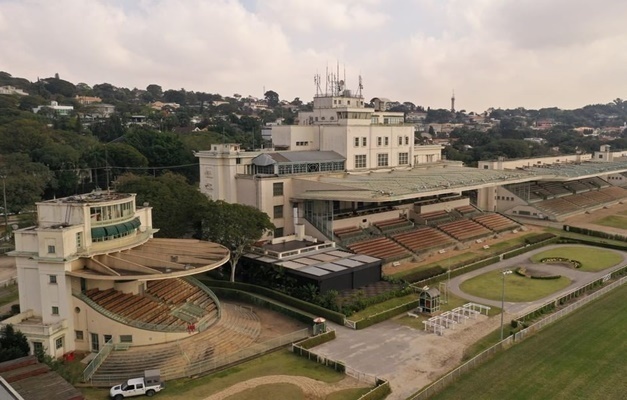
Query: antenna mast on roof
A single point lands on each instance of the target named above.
(361, 86)
(317, 83)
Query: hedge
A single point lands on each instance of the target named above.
(317, 340)
(529, 247)
(593, 243)
(380, 392)
(280, 297)
(236, 294)
(591, 232)
(423, 274)
(382, 316)
(539, 238)
(459, 271)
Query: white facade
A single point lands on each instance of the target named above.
(340, 135)
(59, 110)
(81, 243)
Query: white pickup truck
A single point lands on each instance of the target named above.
(148, 385)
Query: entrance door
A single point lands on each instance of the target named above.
(83, 285)
(107, 338)
(95, 346)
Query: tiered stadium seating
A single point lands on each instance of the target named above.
(496, 222)
(434, 217)
(382, 247)
(177, 291)
(579, 186)
(392, 224)
(237, 329)
(557, 206)
(135, 307)
(538, 191)
(464, 229)
(347, 233)
(615, 192)
(557, 189)
(467, 211)
(423, 239)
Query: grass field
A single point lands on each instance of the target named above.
(580, 357)
(517, 288)
(613, 221)
(281, 362)
(592, 259)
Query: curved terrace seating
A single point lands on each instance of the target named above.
(168, 304)
(434, 217)
(382, 247)
(238, 328)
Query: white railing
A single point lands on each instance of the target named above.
(98, 360)
(480, 358)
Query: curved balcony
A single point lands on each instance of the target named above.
(153, 259)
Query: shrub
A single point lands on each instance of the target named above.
(382, 316)
(317, 340)
(424, 274)
(539, 238)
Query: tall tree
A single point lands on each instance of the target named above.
(177, 207)
(272, 98)
(235, 226)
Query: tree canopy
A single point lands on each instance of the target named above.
(178, 207)
(235, 226)
(13, 344)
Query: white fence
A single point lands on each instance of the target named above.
(482, 357)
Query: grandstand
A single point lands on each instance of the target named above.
(496, 222)
(238, 329)
(382, 247)
(423, 239)
(465, 230)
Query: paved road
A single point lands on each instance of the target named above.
(578, 278)
(410, 358)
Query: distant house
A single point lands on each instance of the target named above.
(85, 100)
(159, 105)
(101, 110)
(58, 110)
(12, 90)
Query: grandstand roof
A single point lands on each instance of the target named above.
(155, 259)
(393, 184)
(579, 170)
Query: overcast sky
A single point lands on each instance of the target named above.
(492, 53)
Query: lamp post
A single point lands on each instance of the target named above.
(4, 210)
(503, 273)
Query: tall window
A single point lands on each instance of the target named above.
(387, 140)
(55, 310)
(360, 161)
(356, 141)
(379, 140)
(382, 160)
(51, 249)
(278, 211)
(403, 158)
(400, 140)
(79, 335)
(364, 141)
(406, 140)
(52, 279)
(277, 189)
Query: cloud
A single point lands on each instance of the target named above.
(492, 52)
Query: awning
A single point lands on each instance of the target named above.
(97, 233)
(112, 230)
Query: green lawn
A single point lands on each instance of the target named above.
(517, 288)
(580, 357)
(613, 221)
(281, 362)
(592, 259)
(443, 263)
(383, 306)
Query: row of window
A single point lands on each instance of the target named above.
(303, 143)
(381, 141)
(348, 102)
(115, 211)
(382, 160)
(123, 338)
(507, 198)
